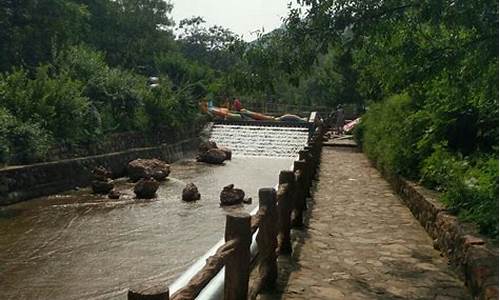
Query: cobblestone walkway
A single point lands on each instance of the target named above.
(361, 242)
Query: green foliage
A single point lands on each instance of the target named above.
(55, 102)
(469, 185)
(390, 134)
(33, 32)
(21, 142)
(428, 71)
(180, 70)
(72, 71)
(215, 46)
(129, 32)
(404, 140)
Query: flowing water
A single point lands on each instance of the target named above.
(261, 141)
(77, 245)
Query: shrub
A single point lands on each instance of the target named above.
(6, 121)
(116, 94)
(476, 195)
(21, 142)
(469, 185)
(390, 135)
(54, 102)
(359, 132)
(408, 140)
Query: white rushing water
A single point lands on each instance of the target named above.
(265, 141)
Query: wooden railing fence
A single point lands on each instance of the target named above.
(278, 212)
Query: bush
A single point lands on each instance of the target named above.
(407, 140)
(390, 134)
(116, 94)
(359, 132)
(469, 185)
(21, 142)
(78, 99)
(54, 102)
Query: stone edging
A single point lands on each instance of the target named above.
(19, 183)
(474, 257)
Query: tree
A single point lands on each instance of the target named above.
(34, 32)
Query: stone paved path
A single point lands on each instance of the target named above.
(361, 242)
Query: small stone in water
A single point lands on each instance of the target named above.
(114, 194)
(190, 193)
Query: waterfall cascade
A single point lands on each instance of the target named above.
(267, 141)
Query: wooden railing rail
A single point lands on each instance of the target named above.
(213, 265)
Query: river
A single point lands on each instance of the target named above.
(77, 245)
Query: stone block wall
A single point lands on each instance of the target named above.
(475, 257)
(117, 142)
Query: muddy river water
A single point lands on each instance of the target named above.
(77, 245)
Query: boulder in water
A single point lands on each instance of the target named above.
(190, 193)
(227, 151)
(145, 168)
(231, 195)
(102, 186)
(146, 188)
(101, 173)
(114, 194)
(205, 146)
(212, 156)
(247, 200)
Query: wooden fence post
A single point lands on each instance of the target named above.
(310, 160)
(313, 152)
(300, 196)
(267, 239)
(237, 271)
(304, 155)
(286, 192)
(159, 292)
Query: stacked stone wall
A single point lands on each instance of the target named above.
(475, 257)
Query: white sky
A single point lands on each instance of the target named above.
(240, 16)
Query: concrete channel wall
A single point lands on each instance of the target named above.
(19, 183)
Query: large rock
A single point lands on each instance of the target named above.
(190, 193)
(114, 194)
(227, 151)
(146, 188)
(212, 156)
(205, 146)
(102, 186)
(101, 173)
(231, 196)
(146, 168)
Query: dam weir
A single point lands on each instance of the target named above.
(77, 245)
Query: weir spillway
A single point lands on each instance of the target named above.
(77, 245)
(261, 141)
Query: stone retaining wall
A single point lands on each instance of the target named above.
(474, 256)
(122, 141)
(18, 183)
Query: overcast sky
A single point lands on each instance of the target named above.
(241, 16)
